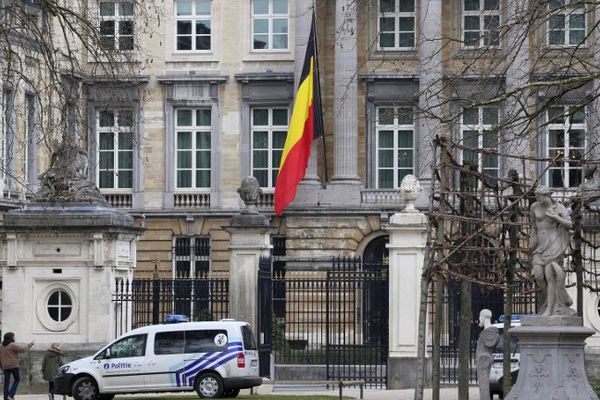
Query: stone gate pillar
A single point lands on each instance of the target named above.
(249, 240)
(407, 232)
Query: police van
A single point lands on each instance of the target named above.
(216, 359)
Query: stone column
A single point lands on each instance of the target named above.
(408, 235)
(345, 108)
(248, 241)
(517, 76)
(430, 89)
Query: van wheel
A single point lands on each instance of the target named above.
(231, 393)
(85, 389)
(208, 386)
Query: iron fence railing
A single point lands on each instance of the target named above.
(142, 302)
(333, 315)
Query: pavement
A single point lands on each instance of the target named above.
(369, 394)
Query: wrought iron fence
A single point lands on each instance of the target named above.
(332, 313)
(142, 302)
(524, 302)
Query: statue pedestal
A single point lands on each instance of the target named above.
(552, 360)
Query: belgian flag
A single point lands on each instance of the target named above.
(305, 126)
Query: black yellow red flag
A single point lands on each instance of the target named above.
(306, 125)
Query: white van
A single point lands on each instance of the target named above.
(216, 359)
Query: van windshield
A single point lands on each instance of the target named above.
(248, 337)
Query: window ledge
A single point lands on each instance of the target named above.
(269, 56)
(481, 52)
(380, 54)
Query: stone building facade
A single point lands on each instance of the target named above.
(212, 97)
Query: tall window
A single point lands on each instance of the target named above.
(193, 130)
(479, 131)
(566, 23)
(116, 25)
(5, 127)
(29, 137)
(192, 256)
(193, 25)
(270, 24)
(268, 130)
(481, 22)
(396, 24)
(566, 144)
(395, 145)
(115, 149)
(192, 261)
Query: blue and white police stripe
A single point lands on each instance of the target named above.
(185, 376)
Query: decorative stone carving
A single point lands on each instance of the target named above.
(250, 192)
(410, 189)
(548, 242)
(66, 178)
(552, 361)
(484, 355)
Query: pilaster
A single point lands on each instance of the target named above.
(406, 251)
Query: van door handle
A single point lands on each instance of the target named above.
(151, 363)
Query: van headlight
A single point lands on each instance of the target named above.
(63, 370)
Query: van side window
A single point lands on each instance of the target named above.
(168, 343)
(205, 341)
(131, 346)
(248, 336)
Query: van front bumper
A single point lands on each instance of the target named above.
(62, 384)
(242, 382)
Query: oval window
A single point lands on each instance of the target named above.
(60, 305)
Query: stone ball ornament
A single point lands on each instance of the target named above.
(409, 190)
(250, 192)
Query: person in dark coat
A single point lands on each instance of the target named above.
(53, 360)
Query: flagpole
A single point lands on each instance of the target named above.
(318, 77)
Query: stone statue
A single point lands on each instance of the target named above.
(66, 179)
(591, 186)
(548, 243)
(410, 189)
(484, 355)
(250, 192)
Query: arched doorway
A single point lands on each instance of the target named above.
(375, 298)
(376, 251)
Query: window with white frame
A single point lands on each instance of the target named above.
(115, 149)
(193, 25)
(193, 141)
(566, 145)
(396, 24)
(270, 25)
(566, 23)
(29, 136)
(116, 25)
(59, 305)
(481, 23)
(268, 132)
(394, 132)
(479, 132)
(5, 122)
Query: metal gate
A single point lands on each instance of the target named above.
(330, 313)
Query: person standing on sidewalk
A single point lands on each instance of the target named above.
(9, 361)
(53, 360)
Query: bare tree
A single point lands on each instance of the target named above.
(51, 50)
